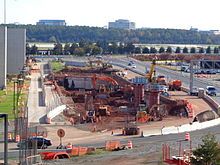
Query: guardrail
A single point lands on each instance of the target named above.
(183, 128)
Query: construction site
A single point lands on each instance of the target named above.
(102, 97)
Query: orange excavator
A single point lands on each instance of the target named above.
(103, 78)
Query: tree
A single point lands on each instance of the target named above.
(129, 48)
(73, 47)
(153, 50)
(161, 50)
(96, 50)
(178, 50)
(58, 49)
(208, 153)
(201, 50)
(33, 49)
(169, 49)
(137, 50)
(79, 51)
(185, 50)
(66, 48)
(208, 50)
(216, 50)
(28, 49)
(146, 50)
(193, 50)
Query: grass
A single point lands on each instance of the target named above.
(56, 66)
(7, 99)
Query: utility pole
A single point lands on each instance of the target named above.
(5, 12)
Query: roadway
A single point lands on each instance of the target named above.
(170, 74)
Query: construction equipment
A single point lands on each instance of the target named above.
(149, 75)
(175, 85)
(143, 117)
(102, 111)
(161, 80)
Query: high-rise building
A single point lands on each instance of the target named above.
(52, 22)
(121, 24)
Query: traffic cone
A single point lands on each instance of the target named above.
(130, 146)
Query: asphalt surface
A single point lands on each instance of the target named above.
(170, 74)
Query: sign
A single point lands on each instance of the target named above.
(139, 80)
(60, 133)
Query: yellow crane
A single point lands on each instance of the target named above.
(150, 76)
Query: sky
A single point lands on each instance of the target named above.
(175, 14)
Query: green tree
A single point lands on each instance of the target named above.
(66, 48)
(161, 50)
(146, 50)
(137, 50)
(169, 49)
(185, 50)
(28, 49)
(129, 48)
(96, 50)
(79, 51)
(73, 47)
(193, 50)
(58, 49)
(34, 49)
(216, 50)
(207, 153)
(208, 50)
(178, 50)
(201, 50)
(53, 39)
(113, 48)
(153, 50)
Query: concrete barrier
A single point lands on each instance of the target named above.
(56, 111)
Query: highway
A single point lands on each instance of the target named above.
(170, 74)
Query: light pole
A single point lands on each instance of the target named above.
(4, 11)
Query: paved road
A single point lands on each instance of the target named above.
(170, 74)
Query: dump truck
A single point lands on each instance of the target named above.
(175, 85)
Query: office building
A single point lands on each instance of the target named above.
(121, 24)
(52, 22)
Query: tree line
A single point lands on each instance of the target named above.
(71, 34)
(84, 48)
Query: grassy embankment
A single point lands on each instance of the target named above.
(57, 66)
(7, 99)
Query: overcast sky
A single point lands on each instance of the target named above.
(178, 14)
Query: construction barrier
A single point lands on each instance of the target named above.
(17, 138)
(69, 146)
(112, 145)
(79, 151)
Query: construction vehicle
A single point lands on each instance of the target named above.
(102, 111)
(143, 117)
(151, 73)
(175, 85)
(161, 80)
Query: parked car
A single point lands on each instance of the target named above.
(42, 143)
(194, 91)
(211, 90)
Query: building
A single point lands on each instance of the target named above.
(12, 52)
(16, 50)
(3, 56)
(52, 22)
(121, 24)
